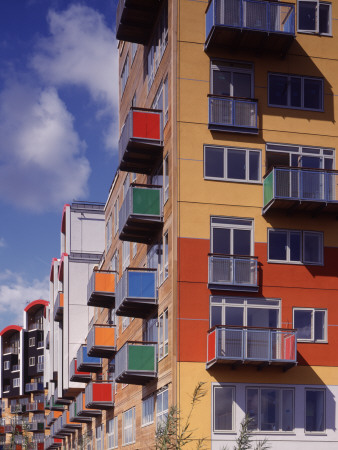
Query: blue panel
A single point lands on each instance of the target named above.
(141, 284)
(88, 359)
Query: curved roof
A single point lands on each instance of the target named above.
(36, 303)
(12, 328)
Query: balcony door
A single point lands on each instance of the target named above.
(232, 79)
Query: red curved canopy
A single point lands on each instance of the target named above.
(36, 303)
(10, 328)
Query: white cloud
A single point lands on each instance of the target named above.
(15, 292)
(81, 50)
(42, 162)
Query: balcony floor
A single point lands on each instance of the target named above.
(140, 229)
(102, 300)
(141, 157)
(137, 378)
(294, 205)
(250, 362)
(136, 308)
(101, 352)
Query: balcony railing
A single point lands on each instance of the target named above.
(36, 426)
(99, 394)
(136, 293)
(77, 375)
(18, 409)
(101, 341)
(67, 424)
(52, 417)
(87, 363)
(232, 272)
(141, 216)
(34, 387)
(141, 141)
(15, 368)
(54, 405)
(11, 349)
(82, 410)
(136, 363)
(233, 114)
(250, 24)
(74, 416)
(58, 307)
(51, 443)
(231, 344)
(101, 289)
(36, 406)
(301, 188)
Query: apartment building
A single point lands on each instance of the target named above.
(21, 385)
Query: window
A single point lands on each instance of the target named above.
(293, 91)
(134, 47)
(166, 179)
(134, 248)
(163, 259)
(31, 361)
(150, 333)
(162, 406)
(112, 432)
(40, 359)
(231, 236)
(126, 185)
(292, 246)
(116, 216)
(109, 229)
(311, 324)
(129, 426)
(223, 408)
(232, 164)
(314, 17)
(31, 341)
(125, 254)
(148, 411)
(232, 79)
(99, 435)
(16, 382)
(163, 335)
(124, 74)
(125, 322)
(271, 409)
(114, 264)
(315, 410)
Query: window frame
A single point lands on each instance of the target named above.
(312, 339)
(130, 426)
(317, 18)
(231, 227)
(112, 433)
(232, 66)
(16, 382)
(109, 232)
(163, 335)
(233, 410)
(7, 365)
(124, 74)
(323, 390)
(166, 181)
(164, 412)
(116, 216)
(31, 342)
(148, 403)
(31, 361)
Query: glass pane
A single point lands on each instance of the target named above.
(242, 242)
(262, 317)
(287, 411)
(319, 325)
(221, 82)
(223, 397)
(324, 19)
(312, 243)
(270, 403)
(302, 322)
(295, 249)
(277, 245)
(216, 316)
(307, 16)
(252, 402)
(236, 164)
(234, 316)
(278, 85)
(214, 162)
(315, 411)
(312, 94)
(221, 241)
(296, 94)
(254, 166)
(242, 85)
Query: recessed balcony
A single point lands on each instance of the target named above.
(58, 307)
(74, 416)
(251, 25)
(141, 215)
(301, 189)
(77, 375)
(232, 272)
(101, 289)
(34, 387)
(136, 363)
(82, 410)
(100, 395)
(87, 363)
(101, 341)
(250, 345)
(233, 114)
(135, 20)
(141, 141)
(136, 293)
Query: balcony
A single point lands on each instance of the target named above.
(250, 345)
(232, 114)
(101, 289)
(77, 375)
(82, 410)
(232, 272)
(18, 409)
(141, 216)
(135, 20)
(67, 424)
(100, 395)
(36, 426)
(73, 415)
(58, 308)
(301, 189)
(87, 363)
(52, 443)
(54, 405)
(101, 341)
(251, 25)
(52, 417)
(141, 141)
(35, 406)
(136, 363)
(136, 293)
(34, 387)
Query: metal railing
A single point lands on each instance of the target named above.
(125, 362)
(105, 398)
(15, 368)
(232, 112)
(11, 349)
(271, 17)
(92, 341)
(83, 358)
(31, 387)
(91, 287)
(252, 344)
(137, 284)
(35, 326)
(232, 270)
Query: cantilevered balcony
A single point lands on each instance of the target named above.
(250, 24)
(136, 293)
(34, 387)
(52, 417)
(101, 289)
(101, 341)
(67, 423)
(141, 141)
(54, 405)
(232, 114)
(77, 375)
(58, 307)
(135, 20)
(301, 189)
(82, 410)
(18, 409)
(87, 363)
(251, 345)
(232, 272)
(36, 426)
(35, 406)
(136, 363)
(74, 416)
(141, 214)
(52, 443)
(100, 395)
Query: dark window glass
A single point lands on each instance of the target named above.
(302, 322)
(315, 411)
(214, 162)
(242, 242)
(221, 82)
(236, 164)
(319, 325)
(254, 158)
(307, 16)
(312, 94)
(277, 245)
(278, 87)
(296, 92)
(223, 408)
(324, 19)
(295, 246)
(221, 241)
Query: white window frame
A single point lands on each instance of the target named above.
(99, 437)
(324, 410)
(147, 411)
(238, 223)
(303, 234)
(233, 391)
(31, 361)
(316, 31)
(125, 254)
(109, 234)
(163, 335)
(114, 264)
(125, 323)
(128, 424)
(232, 67)
(116, 216)
(31, 342)
(166, 179)
(161, 413)
(16, 382)
(112, 433)
(312, 310)
(134, 249)
(41, 359)
(7, 365)
(225, 167)
(124, 74)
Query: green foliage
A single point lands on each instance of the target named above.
(243, 442)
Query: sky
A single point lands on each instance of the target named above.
(58, 132)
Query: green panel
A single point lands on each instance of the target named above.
(141, 357)
(268, 188)
(146, 201)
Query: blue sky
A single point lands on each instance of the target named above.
(58, 131)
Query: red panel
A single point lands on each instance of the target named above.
(2, 430)
(63, 220)
(102, 392)
(193, 259)
(146, 125)
(212, 345)
(36, 303)
(78, 372)
(192, 340)
(10, 328)
(57, 441)
(41, 446)
(51, 276)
